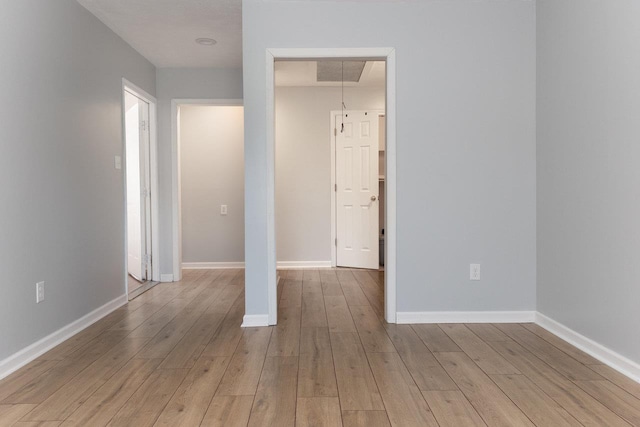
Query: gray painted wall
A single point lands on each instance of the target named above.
(303, 166)
(183, 83)
(465, 132)
(61, 200)
(589, 169)
(212, 169)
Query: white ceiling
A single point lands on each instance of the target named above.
(164, 31)
(304, 73)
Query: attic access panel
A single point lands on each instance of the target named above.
(333, 71)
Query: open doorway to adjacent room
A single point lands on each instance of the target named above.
(208, 185)
(140, 181)
(330, 162)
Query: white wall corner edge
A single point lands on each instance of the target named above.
(28, 354)
(166, 278)
(607, 356)
(405, 317)
(255, 320)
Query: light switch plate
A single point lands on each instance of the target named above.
(223, 209)
(39, 292)
(474, 271)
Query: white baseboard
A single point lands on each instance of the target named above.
(405, 317)
(27, 354)
(211, 265)
(304, 264)
(281, 264)
(255, 320)
(166, 278)
(609, 357)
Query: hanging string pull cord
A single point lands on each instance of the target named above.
(343, 106)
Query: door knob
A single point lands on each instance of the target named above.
(374, 198)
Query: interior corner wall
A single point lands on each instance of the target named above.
(183, 83)
(61, 199)
(466, 180)
(303, 166)
(212, 169)
(588, 169)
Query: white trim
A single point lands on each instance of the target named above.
(211, 265)
(153, 158)
(360, 53)
(390, 260)
(304, 264)
(255, 320)
(408, 317)
(166, 278)
(176, 193)
(334, 194)
(281, 264)
(387, 54)
(27, 354)
(176, 228)
(155, 192)
(138, 91)
(609, 357)
(334, 231)
(270, 179)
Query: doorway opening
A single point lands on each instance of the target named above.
(208, 184)
(140, 189)
(359, 160)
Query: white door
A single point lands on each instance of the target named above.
(137, 178)
(357, 189)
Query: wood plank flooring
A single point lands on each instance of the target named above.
(177, 356)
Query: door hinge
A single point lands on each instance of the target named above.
(147, 259)
(336, 241)
(335, 187)
(146, 193)
(144, 125)
(335, 131)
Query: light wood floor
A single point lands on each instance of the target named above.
(177, 356)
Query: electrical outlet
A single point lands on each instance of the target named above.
(474, 271)
(223, 209)
(39, 292)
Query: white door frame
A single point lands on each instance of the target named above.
(175, 172)
(334, 194)
(385, 54)
(153, 173)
